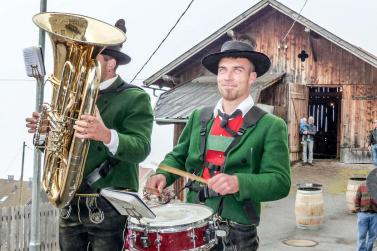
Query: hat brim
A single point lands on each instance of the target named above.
(260, 61)
(119, 56)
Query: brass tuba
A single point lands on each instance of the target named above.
(76, 41)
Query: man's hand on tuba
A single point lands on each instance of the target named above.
(92, 127)
(31, 122)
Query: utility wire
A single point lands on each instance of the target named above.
(299, 14)
(163, 40)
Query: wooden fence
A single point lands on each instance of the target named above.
(15, 227)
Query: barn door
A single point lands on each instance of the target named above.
(324, 106)
(297, 109)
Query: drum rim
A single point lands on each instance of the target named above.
(171, 229)
(211, 243)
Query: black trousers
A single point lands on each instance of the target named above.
(240, 238)
(77, 232)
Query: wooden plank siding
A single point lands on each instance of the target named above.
(15, 227)
(297, 109)
(276, 95)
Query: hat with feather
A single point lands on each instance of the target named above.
(115, 50)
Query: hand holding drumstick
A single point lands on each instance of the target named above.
(222, 183)
(157, 182)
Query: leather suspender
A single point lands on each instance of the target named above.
(205, 116)
(249, 120)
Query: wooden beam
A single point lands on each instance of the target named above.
(368, 97)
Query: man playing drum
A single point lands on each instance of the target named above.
(240, 150)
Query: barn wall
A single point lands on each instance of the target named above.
(327, 65)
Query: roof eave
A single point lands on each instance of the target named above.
(360, 53)
(217, 34)
(162, 121)
(356, 51)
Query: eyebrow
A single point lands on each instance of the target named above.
(233, 67)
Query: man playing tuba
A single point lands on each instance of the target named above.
(119, 134)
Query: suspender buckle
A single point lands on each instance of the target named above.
(241, 131)
(203, 131)
(213, 169)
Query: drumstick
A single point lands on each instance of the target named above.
(182, 173)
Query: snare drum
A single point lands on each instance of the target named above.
(178, 226)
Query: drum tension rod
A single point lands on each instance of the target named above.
(210, 233)
(145, 242)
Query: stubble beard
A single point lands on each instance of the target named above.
(229, 95)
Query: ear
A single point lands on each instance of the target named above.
(111, 63)
(252, 78)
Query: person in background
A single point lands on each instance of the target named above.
(120, 137)
(308, 142)
(304, 127)
(366, 209)
(372, 142)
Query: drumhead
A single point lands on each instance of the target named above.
(177, 214)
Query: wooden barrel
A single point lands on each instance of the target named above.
(353, 184)
(309, 207)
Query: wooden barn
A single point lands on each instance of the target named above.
(313, 72)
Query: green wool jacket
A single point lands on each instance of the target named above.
(260, 161)
(129, 112)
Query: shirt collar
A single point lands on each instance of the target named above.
(244, 106)
(106, 84)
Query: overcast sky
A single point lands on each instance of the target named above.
(147, 23)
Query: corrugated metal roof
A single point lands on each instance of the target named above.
(176, 105)
(358, 52)
(10, 192)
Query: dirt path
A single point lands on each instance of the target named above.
(331, 174)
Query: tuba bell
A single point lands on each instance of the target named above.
(76, 41)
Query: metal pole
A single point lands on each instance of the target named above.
(22, 172)
(35, 235)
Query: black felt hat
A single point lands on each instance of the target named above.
(240, 49)
(115, 50)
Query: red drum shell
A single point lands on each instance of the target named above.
(177, 226)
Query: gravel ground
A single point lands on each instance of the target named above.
(338, 230)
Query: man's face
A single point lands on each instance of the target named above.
(234, 78)
(107, 65)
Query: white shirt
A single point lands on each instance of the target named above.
(244, 106)
(114, 138)
(106, 84)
